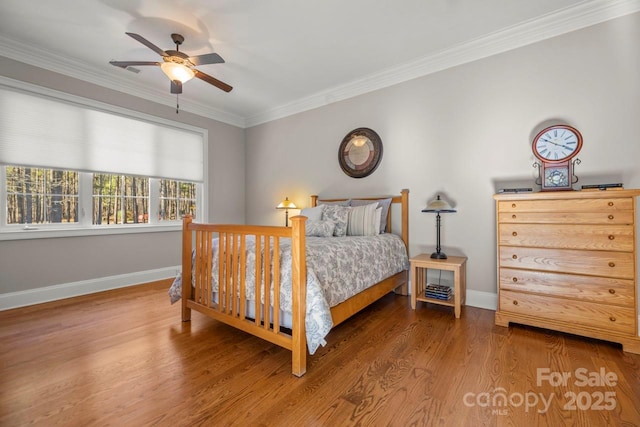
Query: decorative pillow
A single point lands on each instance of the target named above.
(320, 228)
(338, 203)
(340, 217)
(313, 214)
(377, 218)
(383, 203)
(362, 220)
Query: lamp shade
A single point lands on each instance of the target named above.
(438, 205)
(176, 71)
(286, 204)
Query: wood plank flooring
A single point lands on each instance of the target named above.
(124, 358)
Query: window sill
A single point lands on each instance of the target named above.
(50, 232)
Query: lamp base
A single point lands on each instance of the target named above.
(439, 255)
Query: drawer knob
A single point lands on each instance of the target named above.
(514, 234)
(513, 217)
(612, 291)
(613, 319)
(515, 302)
(612, 264)
(514, 256)
(513, 205)
(610, 217)
(610, 203)
(515, 279)
(611, 237)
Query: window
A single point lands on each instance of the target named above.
(71, 166)
(37, 196)
(176, 199)
(41, 196)
(120, 199)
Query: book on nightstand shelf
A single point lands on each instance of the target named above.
(441, 292)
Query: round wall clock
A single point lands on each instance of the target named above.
(360, 152)
(555, 147)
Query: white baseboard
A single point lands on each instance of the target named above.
(67, 290)
(481, 299)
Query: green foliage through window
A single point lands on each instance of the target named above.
(177, 198)
(50, 196)
(41, 196)
(120, 199)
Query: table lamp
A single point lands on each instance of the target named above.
(438, 206)
(286, 204)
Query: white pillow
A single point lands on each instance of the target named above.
(362, 220)
(313, 214)
(378, 218)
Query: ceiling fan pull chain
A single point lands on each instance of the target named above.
(177, 104)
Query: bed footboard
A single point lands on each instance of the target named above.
(230, 306)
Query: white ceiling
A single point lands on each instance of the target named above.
(282, 56)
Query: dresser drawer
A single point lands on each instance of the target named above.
(605, 290)
(567, 205)
(618, 217)
(601, 316)
(569, 236)
(590, 263)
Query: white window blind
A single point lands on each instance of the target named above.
(41, 131)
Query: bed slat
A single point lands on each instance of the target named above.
(276, 285)
(258, 281)
(266, 281)
(243, 262)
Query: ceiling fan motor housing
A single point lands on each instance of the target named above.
(177, 39)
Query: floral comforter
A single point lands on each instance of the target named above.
(337, 269)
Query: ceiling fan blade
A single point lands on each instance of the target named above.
(176, 86)
(217, 83)
(125, 64)
(147, 43)
(209, 58)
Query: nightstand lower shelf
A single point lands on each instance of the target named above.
(448, 302)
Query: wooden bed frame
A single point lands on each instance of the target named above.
(232, 311)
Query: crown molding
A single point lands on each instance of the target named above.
(563, 21)
(566, 20)
(71, 67)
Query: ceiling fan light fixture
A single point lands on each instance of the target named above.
(176, 71)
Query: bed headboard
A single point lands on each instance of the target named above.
(403, 199)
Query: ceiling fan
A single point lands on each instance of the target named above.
(179, 67)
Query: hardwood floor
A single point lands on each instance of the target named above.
(124, 358)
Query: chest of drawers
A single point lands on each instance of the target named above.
(567, 261)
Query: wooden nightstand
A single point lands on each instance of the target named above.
(457, 264)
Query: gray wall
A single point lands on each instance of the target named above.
(464, 132)
(29, 264)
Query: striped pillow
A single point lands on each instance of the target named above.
(362, 220)
(383, 203)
